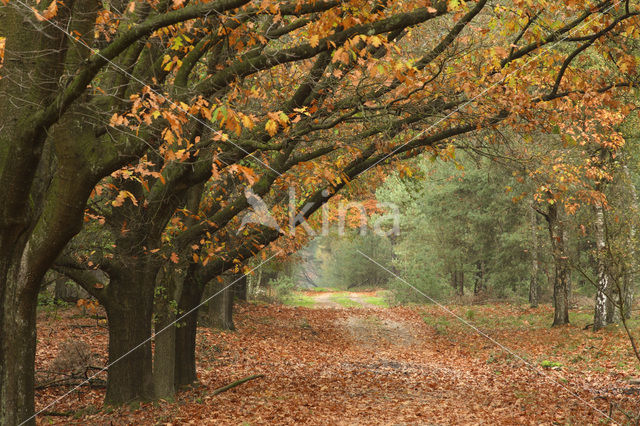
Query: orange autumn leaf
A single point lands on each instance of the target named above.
(271, 127)
(48, 13)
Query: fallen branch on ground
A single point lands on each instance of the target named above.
(97, 383)
(234, 384)
(57, 413)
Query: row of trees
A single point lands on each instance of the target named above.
(131, 132)
(483, 224)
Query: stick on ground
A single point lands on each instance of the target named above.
(236, 383)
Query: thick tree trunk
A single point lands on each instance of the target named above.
(240, 289)
(17, 353)
(220, 306)
(561, 263)
(185, 348)
(164, 355)
(28, 83)
(561, 297)
(28, 248)
(188, 307)
(168, 290)
(129, 309)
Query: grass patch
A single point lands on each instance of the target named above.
(550, 364)
(580, 318)
(376, 300)
(299, 299)
(322, 289)
(440, 324)
(343, 300)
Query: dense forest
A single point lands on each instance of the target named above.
(211, 211)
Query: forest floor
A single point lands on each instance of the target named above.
(372, 365)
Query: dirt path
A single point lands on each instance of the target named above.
(327, 299)
(323, 300)
(361, 299)
(352, 366)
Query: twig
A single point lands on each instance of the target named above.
(236, 383)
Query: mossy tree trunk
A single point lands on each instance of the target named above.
(167, 295)
(185, 347)
(129, 375)
(129, 306)
(22, 261)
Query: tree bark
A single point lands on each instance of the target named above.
(185, 348)
(220, 306)
(168, 290)
(240, 288)
(561, 263)
(603, 304)
(630, 274)
(457, 281)
(28, 247)
(28, 85)
(479, 286)
(460, 282)
(17, 353)
(68, 291)
(129, 307)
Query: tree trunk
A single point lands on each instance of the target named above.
(68, 290)
(457, 281)
(17, 352)
(220, 306)
(185, 368)
(534, 285)
(29, 245)
(240, 288)
(629, 276)
(227, 315)
(129, 307)
(185, 358)
(168, 290)
(560, 259)
(604, 304)
(479, 286)
(628, 298)
(613, 305)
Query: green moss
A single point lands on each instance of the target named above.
(550, 364)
